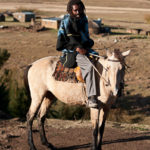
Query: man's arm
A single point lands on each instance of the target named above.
(61, 39)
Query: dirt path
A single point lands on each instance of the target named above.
(73, 135)
(62, 8)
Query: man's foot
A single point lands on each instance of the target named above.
(92, 102)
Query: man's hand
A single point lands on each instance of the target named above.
(81, 50)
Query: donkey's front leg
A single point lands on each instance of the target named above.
(101, 132)
(102, 120)
(95, 121)
(95, 136)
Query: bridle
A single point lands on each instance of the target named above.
(107, 69)
(113, 60)
(107, 82)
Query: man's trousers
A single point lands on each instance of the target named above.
(88, 74)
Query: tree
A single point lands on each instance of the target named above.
(4, 77)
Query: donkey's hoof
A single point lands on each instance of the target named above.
(49, 145)
(94, 148)
(33, 148)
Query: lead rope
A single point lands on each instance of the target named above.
(97, 70)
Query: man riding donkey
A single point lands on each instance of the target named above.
(75, 43)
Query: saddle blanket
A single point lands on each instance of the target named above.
(72, 75)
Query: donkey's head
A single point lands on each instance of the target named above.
(114, 70)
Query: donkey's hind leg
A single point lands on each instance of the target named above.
(34, 107)
(47, 101)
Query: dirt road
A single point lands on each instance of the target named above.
(62, 8)
(73, 135)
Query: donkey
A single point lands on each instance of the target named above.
(44, 90)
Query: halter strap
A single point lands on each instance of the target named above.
(113, 60)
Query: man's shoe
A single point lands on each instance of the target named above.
(92, 102)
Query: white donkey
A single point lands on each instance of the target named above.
(44, 89)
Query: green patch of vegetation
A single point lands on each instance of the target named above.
(13, 100)
(53, 31)
(4, 55)
(137, 37)
(119, 33)
(18, 101)
(139, 129)
(60, 110)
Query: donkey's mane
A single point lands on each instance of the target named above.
(120, 57)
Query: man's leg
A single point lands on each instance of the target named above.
(88, 74)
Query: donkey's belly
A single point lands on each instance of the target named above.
(70, 93)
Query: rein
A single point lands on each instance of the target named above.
(98, 71)
(112, 60)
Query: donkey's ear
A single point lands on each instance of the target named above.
(108, 53)
(126, 53)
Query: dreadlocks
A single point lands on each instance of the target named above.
(74, 2)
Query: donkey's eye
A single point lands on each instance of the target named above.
(108, 68)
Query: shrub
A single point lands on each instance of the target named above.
(4, 78)
(4, 55)
(60, 110)
(4, 91)
(18, 100)
(13, 99)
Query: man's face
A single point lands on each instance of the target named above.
(77, 11)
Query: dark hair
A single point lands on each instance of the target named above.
(74, 2)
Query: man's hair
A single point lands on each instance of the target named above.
(74, 2)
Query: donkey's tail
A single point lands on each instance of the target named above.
(26, 83)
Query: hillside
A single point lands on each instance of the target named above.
(28, 46)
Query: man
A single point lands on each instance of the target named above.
(73, 38)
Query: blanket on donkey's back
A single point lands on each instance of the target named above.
(62, 73)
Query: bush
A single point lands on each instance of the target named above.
(13, 99)
(4, 55)
(4, 91)
(4, 78)
(60, 110)
(18, 100)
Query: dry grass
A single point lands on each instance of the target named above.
(111, 3)
(24, 9)
(26, 47)
(147, 18)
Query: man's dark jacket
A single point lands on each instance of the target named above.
(73, 33)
